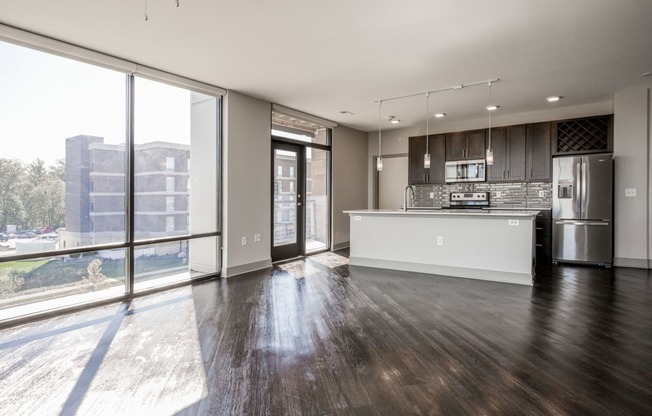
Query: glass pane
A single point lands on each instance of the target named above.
(175, 129)
(62, 178)
(39, 284)
(317, 207)
(166, 263)
(285, 198)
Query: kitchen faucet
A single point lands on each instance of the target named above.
(405, 198)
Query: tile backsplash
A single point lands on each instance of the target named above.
(507, 195)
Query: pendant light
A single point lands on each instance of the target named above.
(426, 157)
(490, 151)
(379, 161)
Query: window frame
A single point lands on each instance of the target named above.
(130, 71)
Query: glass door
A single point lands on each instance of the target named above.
(287, 200)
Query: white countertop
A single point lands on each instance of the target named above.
(477, 213)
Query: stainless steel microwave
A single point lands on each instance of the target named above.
(466, 171)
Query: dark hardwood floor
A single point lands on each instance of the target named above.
(318, 337)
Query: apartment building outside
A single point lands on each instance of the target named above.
(95, 191)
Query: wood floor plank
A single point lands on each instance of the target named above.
(320, 337)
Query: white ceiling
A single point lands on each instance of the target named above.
(323, 57)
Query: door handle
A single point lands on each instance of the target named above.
(299, 204)
(582, 223)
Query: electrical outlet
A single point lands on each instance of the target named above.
(513, 222)
(499, 194)
(440, 241)
(256, 238)
(542, 194)
(432, 195)
(630, 192)
(244, 240)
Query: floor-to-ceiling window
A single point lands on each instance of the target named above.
(300, 187)
(108, 182)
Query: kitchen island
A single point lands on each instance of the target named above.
(478, 244)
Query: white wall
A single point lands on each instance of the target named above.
(246, 184)
(349, 167)
(632, 160)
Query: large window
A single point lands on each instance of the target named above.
(80, 195)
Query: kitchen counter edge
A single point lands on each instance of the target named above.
(446, 213)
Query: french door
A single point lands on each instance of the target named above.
(288, 196)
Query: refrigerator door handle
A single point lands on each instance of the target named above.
(584, 190)
(572, 222)
(578, 190)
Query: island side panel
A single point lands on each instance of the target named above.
(486, 248)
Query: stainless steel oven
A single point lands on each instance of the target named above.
(466, 171)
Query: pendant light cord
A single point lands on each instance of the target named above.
(489, 115)
(380, 105)
(427, 126)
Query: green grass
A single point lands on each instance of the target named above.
(22, 265)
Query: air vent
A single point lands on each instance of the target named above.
(584, 135)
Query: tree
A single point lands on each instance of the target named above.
(12, 178)
(44, 196)
(95, 279)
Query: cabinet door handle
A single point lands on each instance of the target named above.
(539, 228)
(508, 173)
(539, 245)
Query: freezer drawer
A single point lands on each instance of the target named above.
(582, 241)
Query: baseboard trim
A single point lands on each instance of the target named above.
(246, 268)
(635, 263)
(489, 275)
(340, 246)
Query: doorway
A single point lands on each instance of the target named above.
(300, 198)
(390, 183)
(288, 196)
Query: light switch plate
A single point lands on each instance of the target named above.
(357, 218)
(630, 192)
(513, 222)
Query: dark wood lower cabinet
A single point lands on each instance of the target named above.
(543, 228)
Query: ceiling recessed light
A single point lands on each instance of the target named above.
(492, 107)
(440, 115)
(553, 98)
(646, 74)
(346, 113)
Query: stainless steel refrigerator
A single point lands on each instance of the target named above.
(582, 209)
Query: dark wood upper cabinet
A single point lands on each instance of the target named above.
(475, 144)
(417, 174)
(465, 145)
(516, 152)
(437, 145)
(456, 146)
(508, 144)
(496, 172)
(416, 150)
(539, 158)
(582, 135)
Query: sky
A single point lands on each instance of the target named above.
(45, 99)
